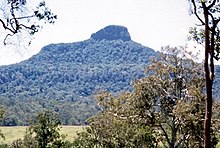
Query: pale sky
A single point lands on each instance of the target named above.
(153, 23)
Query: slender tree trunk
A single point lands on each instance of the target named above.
(208, 77)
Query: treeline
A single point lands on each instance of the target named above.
(21, 112)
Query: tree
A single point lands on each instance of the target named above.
(168, 103)
(18, 17)
(43, 133)
(1, 118)
(173, 84)
(45, 130)
(114, 127)
(207, 12)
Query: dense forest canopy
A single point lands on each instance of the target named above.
(65, 77)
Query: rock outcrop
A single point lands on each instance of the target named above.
(112, 32)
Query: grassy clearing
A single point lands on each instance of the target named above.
(71, 131)
(12, 133)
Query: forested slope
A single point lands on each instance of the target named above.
(64, 77)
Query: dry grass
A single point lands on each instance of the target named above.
(12, 133)
(71, 131)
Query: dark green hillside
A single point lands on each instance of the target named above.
(63, 77)
(216, 90)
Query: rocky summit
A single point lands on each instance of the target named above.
(112, 32)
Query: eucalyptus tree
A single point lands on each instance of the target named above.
(171, 97)
(45, 129)
(165, 108)
(208, 14)
(19, 17)
(115, 126)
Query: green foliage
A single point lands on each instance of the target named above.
(44, 13)
(165, 97)
(165, 108)
(46, 129)
(216, 84)
(198, 33)
(1, 118)
(207, 12)
(63, 78)
(43, 133)
(112, 129)
(23, 111)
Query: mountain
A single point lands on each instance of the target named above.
(64, 77)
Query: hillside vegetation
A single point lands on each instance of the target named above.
(65, 77)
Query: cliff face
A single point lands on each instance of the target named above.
(112, 32)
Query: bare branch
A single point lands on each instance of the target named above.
(195, 11)
(14, 18)
(30, 28)
(212, 4)
(24, 17)
(6, 38)
(5, 27)
(14, 23)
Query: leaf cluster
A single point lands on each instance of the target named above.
(197, 34)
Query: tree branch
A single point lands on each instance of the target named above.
(24, 17)
(180, 141)
(165, 134)
(195, 12)
(5, 27)
(6, 38)
(30, 28)
(212, 4)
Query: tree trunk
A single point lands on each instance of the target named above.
(208, 77)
